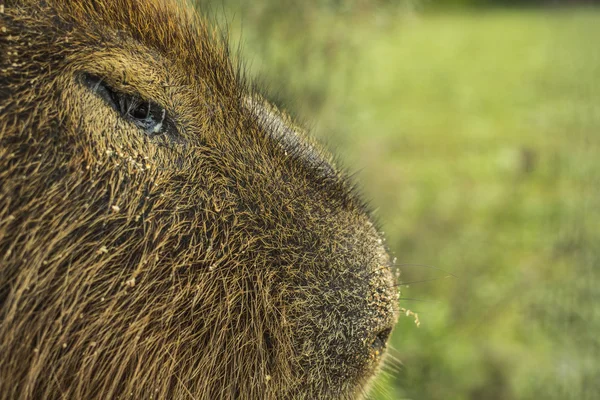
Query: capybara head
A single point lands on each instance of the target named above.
(164, 231)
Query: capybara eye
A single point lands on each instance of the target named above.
(147, 115)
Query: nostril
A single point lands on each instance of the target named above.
(381, 339)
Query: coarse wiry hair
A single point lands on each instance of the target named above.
(224, 256)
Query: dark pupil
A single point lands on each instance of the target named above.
(141, 111)
(147, 115)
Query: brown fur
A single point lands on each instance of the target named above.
(231, 261)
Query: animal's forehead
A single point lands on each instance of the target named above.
(166, 26)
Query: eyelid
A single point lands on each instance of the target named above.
(95, 84)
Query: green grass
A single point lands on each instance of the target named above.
(477, 137)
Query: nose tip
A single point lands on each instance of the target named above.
(379, 342)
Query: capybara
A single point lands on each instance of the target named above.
(166, 232)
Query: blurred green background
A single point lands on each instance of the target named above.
(474, 128)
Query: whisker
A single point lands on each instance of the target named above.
(391, 369)
(425, 280)
(420, 300)
(425, 266)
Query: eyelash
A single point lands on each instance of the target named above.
(147, 115)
